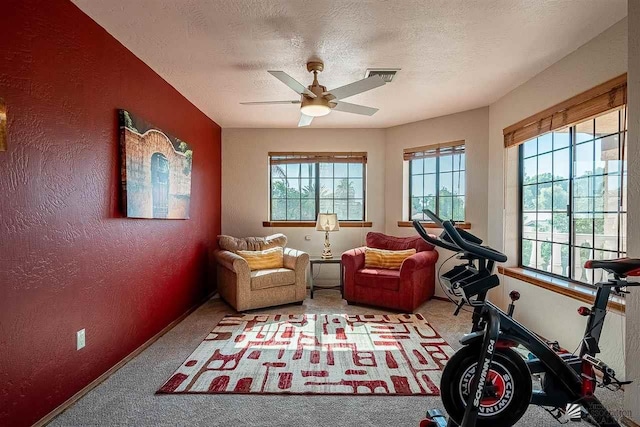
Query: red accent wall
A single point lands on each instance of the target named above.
(68, 258)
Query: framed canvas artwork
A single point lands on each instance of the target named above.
(156, 171)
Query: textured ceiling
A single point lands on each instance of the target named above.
(455, 54)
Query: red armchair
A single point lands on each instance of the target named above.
(403, 289)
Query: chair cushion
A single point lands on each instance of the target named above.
(378, 278)
(383, 241)
(235, 244)
(272, 278)
(381, 258)
(261, 260)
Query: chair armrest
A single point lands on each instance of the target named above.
(231, 261)
(353, 259)
(419, 261)
(417, 277)
(295, 259)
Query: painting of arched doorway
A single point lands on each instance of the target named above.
(160, 185)
(156, 171)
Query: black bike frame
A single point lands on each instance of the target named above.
(488, 319)
(593, 330)
(570, 378)
(591, 341)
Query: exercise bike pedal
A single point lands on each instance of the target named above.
(608, 374)
(434, 418)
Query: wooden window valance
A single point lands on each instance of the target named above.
(280, 158)
(434, 150)
(598, 100)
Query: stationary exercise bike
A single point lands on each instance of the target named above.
(499, 392)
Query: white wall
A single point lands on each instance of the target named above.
(632, 392)
(549, 313)
(245, 188)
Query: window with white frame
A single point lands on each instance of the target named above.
(437, 175)
(304, 184)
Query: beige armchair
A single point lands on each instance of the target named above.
(244, 289)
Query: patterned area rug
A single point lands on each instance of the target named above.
(396, 354)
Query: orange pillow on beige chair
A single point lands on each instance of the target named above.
(261, 260)
(382, 258)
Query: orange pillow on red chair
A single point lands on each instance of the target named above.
(382, 258)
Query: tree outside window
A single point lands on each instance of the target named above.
(303, 185)
(573, 189)
(437, 181)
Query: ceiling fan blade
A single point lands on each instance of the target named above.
(355, 108)
(292, 83)
(304, 120)
(355, 88)
(270, 102)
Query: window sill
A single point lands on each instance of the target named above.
(559, 286)
(431, 225)
(309, 224)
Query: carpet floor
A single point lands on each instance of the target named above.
(128, 398)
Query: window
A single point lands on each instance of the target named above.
(304, 184)
(573, 191)
(437, 180)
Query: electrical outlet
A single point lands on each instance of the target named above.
(80, 339)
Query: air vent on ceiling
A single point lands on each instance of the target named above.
(387, 74)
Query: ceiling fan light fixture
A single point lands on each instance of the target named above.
(315, 110)
(316, 101)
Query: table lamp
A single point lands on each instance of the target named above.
(327, 222)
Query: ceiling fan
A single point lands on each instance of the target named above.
(317, 101)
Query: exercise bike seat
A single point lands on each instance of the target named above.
(621, 267)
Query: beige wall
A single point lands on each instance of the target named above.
(549, 313)
(599, 60)
(632, 392)
(492, 174)
(245, 188)
(245, 195)
(470, 126)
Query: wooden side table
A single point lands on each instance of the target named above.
(319, 260)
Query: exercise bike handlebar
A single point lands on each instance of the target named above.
(435, 218)
(435, 241)
(465, 234)
(470, 247)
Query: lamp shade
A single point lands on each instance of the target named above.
(327, 222)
